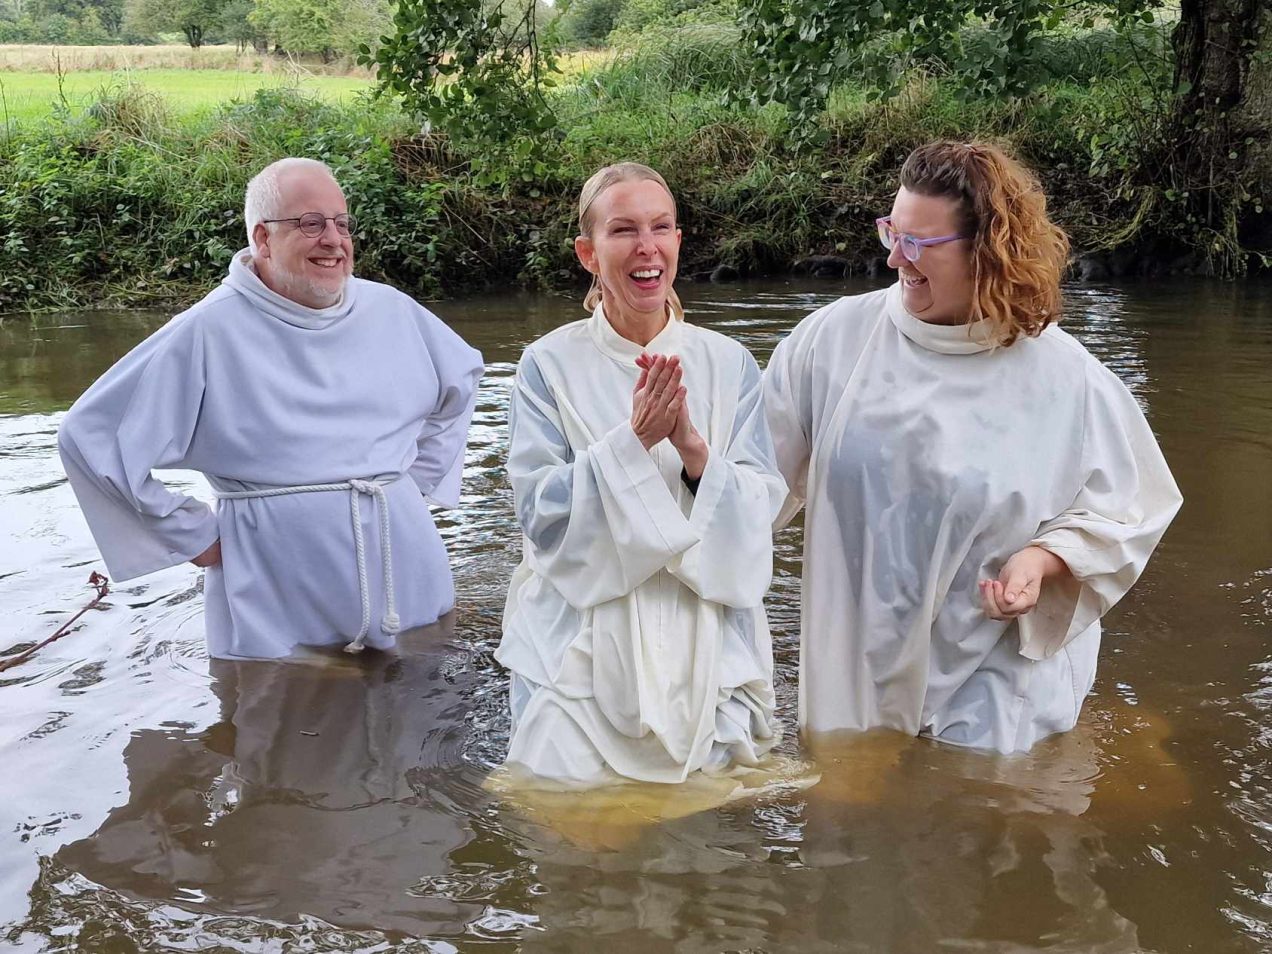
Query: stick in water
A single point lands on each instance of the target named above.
(95, 580)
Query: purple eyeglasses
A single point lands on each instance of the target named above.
(911, 247)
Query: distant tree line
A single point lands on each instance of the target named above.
(62, 21)
(329, 28)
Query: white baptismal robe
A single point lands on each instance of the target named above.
(925, 459)
(260, 393)
(634, 627)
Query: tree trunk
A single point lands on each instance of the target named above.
(1253, 120)
(1223, 124)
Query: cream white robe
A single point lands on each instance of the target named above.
(258, 392)
(925, 458)
(634, 627)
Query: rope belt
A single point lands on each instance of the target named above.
(375, 490)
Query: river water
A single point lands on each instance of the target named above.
(150, 800)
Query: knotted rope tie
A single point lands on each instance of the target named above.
(391, 623)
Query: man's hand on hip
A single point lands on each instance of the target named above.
(209, 557)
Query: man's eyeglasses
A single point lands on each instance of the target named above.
(911, 247)
(314, 224)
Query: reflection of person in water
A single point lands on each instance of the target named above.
(325, 789)
(996, 852)
(947, 850)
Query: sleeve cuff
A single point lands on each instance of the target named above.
(646, 482)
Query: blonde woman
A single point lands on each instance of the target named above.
(979, 489)
(646, 488)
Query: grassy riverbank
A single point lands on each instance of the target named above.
(137, 200)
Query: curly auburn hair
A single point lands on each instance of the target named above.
(1018, 254)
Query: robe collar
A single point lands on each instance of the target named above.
(971, 338)
(616, 346)
(244, 280)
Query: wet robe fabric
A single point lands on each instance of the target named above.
(925, 458)
(258, 392)
(634, 627)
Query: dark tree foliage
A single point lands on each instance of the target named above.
(480, 73)
(1220, 138)
(109, 13)
(1209, 153)
(803, 47)
(477, 72)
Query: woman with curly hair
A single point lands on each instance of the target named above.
(980, 490)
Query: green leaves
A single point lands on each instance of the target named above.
(477, 72)
(329, 27)
(803, 48)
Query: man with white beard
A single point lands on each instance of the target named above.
(326, 411)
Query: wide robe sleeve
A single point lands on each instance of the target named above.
(439, 462)
(1127, 500)
(597, 523)
(140, 415)
(788, 405)
(739, 496)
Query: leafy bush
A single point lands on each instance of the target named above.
(329, 27)
(125, 204)
(587, 23)
(128, 204)
(639, 17)
(691, 59)
(1073, 54)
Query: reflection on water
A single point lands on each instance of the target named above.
(322, 789)
(155, 801)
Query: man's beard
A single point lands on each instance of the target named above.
(294, 284)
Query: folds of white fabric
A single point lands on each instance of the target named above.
(258, 393)
(925, 458)
(634, 627)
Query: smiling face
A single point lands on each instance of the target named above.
(310, 271)
(939, 287)
(632, 248)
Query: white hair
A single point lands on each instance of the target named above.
(264, 199)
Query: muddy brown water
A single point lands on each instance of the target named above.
(151, 800)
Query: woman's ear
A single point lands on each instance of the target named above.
(586, 252)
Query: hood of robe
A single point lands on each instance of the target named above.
(244, 280)
(616, 346)
(971, 338)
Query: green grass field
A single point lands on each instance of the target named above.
(28, 97)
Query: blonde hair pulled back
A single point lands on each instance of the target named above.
(591, 191)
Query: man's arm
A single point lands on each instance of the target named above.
(140, 415)
(439, 462)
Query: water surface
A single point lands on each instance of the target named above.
(152, 800)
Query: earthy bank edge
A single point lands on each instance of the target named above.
(126, 205)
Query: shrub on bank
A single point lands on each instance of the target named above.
(127, 204)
